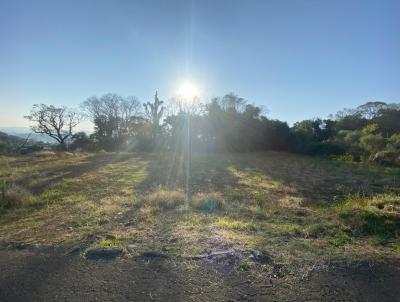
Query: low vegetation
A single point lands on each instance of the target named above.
(291, 206)
(368, 133)
(164, 200)
(208, 202)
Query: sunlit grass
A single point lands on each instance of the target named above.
(286, 204)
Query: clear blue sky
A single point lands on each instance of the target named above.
(299, 59)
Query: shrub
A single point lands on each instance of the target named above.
(208, 202)
(165, 200)
(372, 142)
(394, 143)
(81, 142)
(388, 158)
(370, 129)
(346, 157)
(349, 136)
(320, 148)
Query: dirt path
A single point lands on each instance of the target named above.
(32, 276)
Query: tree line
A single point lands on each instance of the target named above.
(229, 123)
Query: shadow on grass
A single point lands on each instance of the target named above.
(74, 170)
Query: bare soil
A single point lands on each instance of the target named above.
(27, 275)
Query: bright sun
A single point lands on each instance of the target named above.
(188, 91)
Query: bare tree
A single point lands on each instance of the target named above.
(56, 122)
(112, 114)
(129, 109)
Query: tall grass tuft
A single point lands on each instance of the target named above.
(208, 202)
(13, 196)
(164, 200)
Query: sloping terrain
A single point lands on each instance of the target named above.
(255, 226)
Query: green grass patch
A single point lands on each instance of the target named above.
(114, 243)
(340, 239)
(237, 224)
(261, 199)
(234, 196)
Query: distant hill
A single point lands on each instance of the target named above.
(23, 132)
(16, 144)
(7, 139)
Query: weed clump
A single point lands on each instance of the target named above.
(235, 196)
(261, 199)
(13, 196)
(208, 202)
(164, 200)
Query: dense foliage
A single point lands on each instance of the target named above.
(368, 132)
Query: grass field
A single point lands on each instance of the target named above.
(288, 206)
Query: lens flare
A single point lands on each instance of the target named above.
(188, 91)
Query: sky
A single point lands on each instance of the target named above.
(296, 59)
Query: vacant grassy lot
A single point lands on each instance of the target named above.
(288, 206)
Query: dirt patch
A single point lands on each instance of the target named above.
(72, 278)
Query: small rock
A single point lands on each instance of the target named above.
(22, 246)
(256, 254)
(259, 257)
(73, 250)
(154, 254)
(103, 253)
(216, 241)
(131, 247)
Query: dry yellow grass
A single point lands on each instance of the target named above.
(208, 202)
(267, 200)
(164, 200)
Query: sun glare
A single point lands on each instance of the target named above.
(188, 91)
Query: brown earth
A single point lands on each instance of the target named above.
(27, 275)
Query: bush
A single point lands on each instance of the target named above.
(387, 158)
(349, 136)
(320, 148)
(372, 142)
(208, 202)
(81, 142)
(165, 200)
(394, 143)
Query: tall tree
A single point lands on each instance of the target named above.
(154, 112)
(112, 114)
(56, 122)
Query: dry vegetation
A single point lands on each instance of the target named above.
(286, 205)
